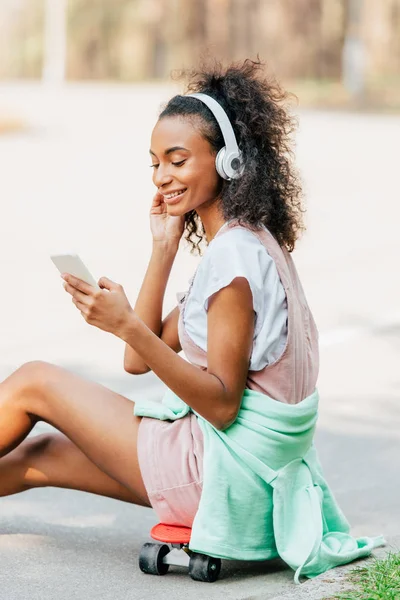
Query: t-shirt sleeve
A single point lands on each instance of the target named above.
(237, 258)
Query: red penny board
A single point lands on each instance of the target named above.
(172, 534)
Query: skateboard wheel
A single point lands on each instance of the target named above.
(151, 558)
(204, 568)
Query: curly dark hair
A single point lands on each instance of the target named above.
(269, 192)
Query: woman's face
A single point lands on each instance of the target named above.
(184, 162)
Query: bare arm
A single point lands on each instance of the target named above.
(216, 393)
(149, 305)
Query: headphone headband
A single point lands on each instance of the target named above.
(229, 161)
(222, 119)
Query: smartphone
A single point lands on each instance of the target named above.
(72, 263)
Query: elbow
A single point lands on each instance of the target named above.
(223, 425)
(225, 420)
(227, 411)
(132, 370)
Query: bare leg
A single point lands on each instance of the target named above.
(98, 422)
(52, 460)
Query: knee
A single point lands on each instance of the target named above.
(30, 378)
(33, 374)
(34, 370)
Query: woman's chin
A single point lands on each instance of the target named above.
(176, 209)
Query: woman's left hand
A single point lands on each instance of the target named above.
(107, 308)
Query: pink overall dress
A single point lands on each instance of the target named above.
(171, 452)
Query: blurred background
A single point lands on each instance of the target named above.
(82, 82)
(317, 44)
(81, 85)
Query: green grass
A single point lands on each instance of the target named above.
(378, 581)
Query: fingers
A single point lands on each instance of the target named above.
(78, 284)
(82, 307)
(158, 197)
(76, 294)
(158, 205)
(108, 284)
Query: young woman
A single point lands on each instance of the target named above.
(231, 441)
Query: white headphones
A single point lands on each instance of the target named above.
(228, 162)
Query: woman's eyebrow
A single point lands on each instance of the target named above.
(173, 149)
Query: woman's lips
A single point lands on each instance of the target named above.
(175, 199)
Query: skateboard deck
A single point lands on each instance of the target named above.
(171, 534)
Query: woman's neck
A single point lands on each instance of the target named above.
(212, 221)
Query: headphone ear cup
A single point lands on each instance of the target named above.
(219, 162)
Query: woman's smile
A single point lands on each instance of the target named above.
(174, 197)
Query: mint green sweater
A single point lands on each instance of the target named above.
(264, 494)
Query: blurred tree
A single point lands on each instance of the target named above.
(54, 58)
(131, 40)
(21, 38)
(353, 69)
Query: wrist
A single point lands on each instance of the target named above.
(128, 326)
(166, 247)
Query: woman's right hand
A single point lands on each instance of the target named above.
(164, 227)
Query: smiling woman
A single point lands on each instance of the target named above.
(228, 450)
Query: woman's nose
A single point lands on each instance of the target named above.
(161, 176)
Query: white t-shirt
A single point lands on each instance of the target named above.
(239, 253)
